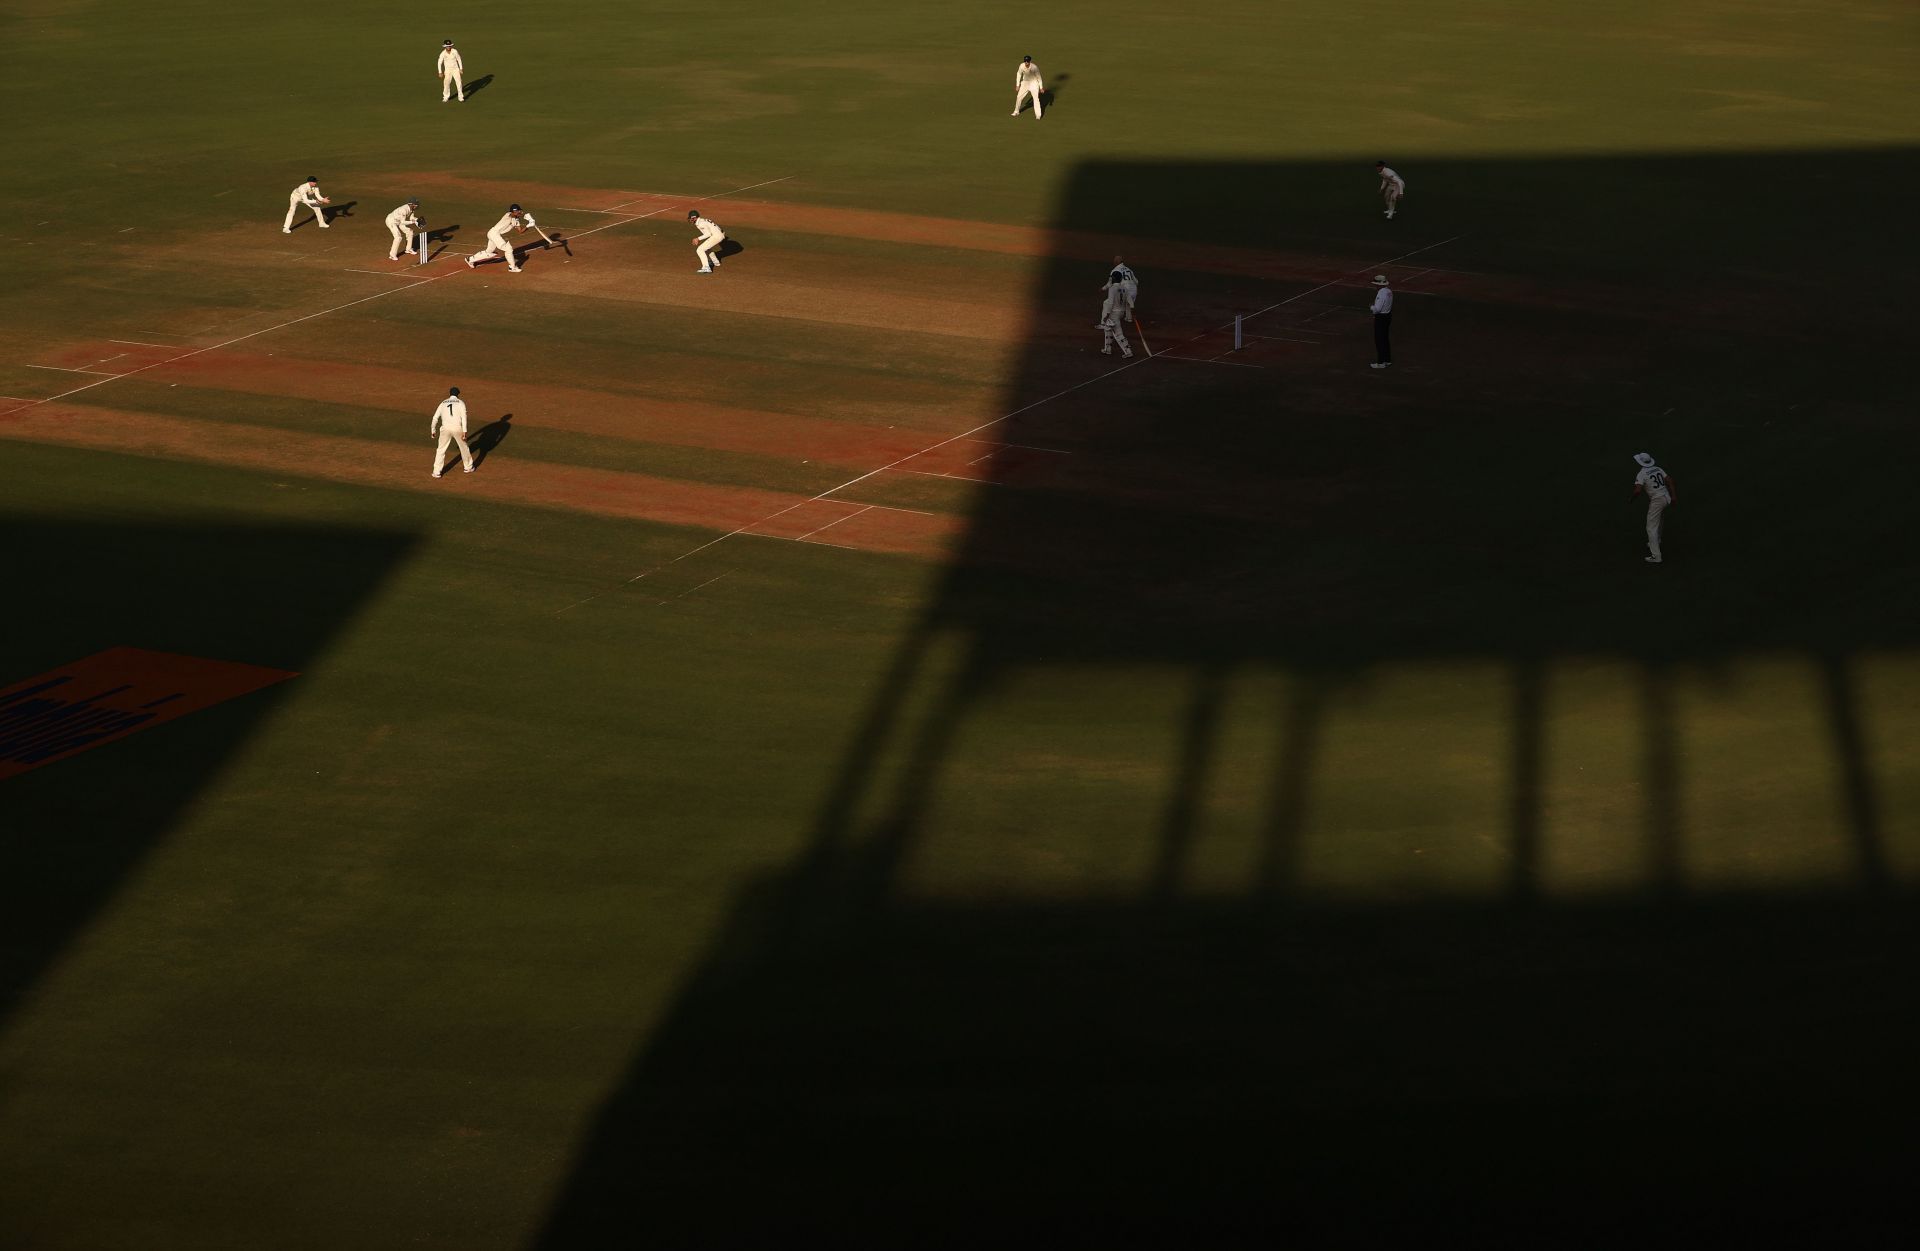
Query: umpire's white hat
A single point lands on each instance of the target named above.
(1643, 459)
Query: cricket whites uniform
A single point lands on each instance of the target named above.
(1653, 480)
(1117, 310)
(451, 68)
(1392, 187)
(306, 195)
(708, 244)
(450, 423)
(499, 245)
(1026, 82)
(1123, 291)
(403, 221)
(1113, 328)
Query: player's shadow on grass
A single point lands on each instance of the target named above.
(336, 211)
(479, 84)
(442, 235)
(1231, 1016)
(490, 436)
(1051, 92)
(729, 247)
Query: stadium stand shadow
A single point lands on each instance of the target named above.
(490, 436)
(76, 828)
(860, 1060)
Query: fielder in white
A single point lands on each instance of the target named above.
(1392, 187)
(707, 246)
(498, 244)
(450, 423)
(1653, 482)
(403, 222)
(306, 195)
(1120, 289)
(449, 67)
(1026, 82)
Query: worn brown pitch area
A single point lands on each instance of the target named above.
(364, 462)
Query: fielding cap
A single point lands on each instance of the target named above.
(453, 390)
(414, 200)
(692, 213)
(312, 178)
(1643, 459)
(1379, 280)
(446, 43)
(513, 208)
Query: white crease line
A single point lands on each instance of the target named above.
(690, 590)
(171, 347)
(928, 473)
(836, 521)
(1207, 360)
(1026, 447)
(381, 273)
(651, 195)
(62, 369)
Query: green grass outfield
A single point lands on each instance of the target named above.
(1295, 808)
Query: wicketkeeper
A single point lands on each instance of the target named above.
(403, 222)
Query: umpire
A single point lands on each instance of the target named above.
(1382, 322)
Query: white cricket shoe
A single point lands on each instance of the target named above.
(436, 475)
(469, 262)
(286, 230)
(703, 270)
(1654, 560)
(468, 469)
(513, 269)
(1379, 364)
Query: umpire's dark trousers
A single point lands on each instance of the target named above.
(1382, 345)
